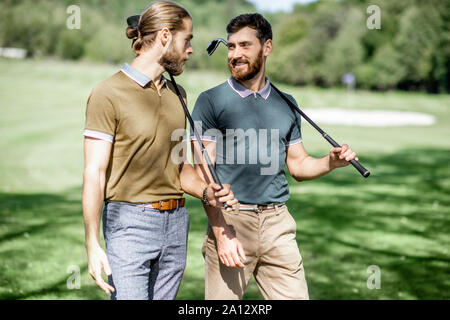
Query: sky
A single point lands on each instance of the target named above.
(276, 5)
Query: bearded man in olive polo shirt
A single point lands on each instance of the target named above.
(251, 134)
(130, 118)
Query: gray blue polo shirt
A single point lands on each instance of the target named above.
(251, 131)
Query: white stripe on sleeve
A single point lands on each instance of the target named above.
(292, 142)
(98, 135)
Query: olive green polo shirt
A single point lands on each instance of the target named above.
(128, 111)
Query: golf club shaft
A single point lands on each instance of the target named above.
(363, 171)
(197, 136)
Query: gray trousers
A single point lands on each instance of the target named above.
(146, 249)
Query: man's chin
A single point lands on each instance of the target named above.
(175, 71)
(241, 76)
(178, 71)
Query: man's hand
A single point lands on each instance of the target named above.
(97, 261)
(230, 250)
(217, 196)
(340, 156)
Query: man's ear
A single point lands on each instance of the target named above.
(165, 36)
(267, 47)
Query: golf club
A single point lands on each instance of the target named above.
(197, 136)
(212, 46)
(363, 171)
(133, 21)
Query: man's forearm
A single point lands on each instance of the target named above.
(216, 220)
(215, 216)
(311, 168)
(92, 201)
(191, 183)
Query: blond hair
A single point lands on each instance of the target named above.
(159, 15)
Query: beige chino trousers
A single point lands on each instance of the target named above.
(272, 257)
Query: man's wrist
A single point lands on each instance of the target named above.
(218, 231)
(205, 197)
(331, 165)
(91, 243)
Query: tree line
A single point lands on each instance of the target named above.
(315, 44)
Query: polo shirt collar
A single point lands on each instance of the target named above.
(137, 76)
(245, 92)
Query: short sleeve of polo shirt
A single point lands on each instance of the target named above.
(203, 113)
(294, 135)
(100, 117)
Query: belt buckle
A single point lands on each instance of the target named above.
(159, 204)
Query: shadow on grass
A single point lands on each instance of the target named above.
(40, 236)
(397, 219)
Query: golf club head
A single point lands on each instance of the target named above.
(212, 46)
(133, 21)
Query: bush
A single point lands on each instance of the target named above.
(389, 69)
(366, 76)
(109, 44)
(200, 59)
(31, 25)
(291, 30)
(70, 45)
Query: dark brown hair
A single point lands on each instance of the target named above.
(159, 15)
(254, 21)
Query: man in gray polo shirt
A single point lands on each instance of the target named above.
(251, 134)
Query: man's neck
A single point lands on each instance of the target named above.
(256, 83)
(147, 63)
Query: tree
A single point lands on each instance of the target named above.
(418, 40)
(345, 52)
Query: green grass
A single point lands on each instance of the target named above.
(397, 219)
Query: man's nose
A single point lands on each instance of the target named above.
(236, 53)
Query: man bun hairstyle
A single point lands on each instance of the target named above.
(162, 14)
(132, 29)
(254, 21)
(131, 32)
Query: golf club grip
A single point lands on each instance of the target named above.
(363, 171)
(197, 136)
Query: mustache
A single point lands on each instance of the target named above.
(235, 61)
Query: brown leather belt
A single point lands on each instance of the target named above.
(259, 208)
(165, 205)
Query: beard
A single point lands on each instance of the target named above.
(253, 67)
(172, 62)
